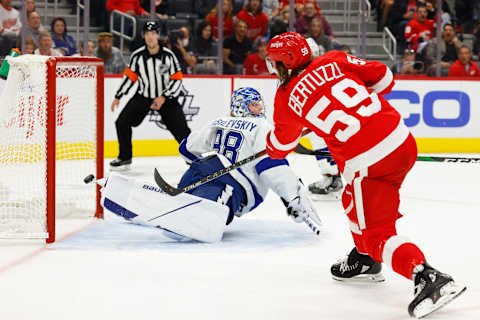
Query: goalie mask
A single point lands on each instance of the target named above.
(247, 102)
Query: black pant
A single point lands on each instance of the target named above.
(136, 110)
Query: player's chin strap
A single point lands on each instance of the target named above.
(173, 191)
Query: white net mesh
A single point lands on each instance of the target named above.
(23, 139)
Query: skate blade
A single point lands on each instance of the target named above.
(333, 196)
(120, 168)
(363, 278)
(449, 292)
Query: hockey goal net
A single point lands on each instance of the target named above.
(51, 137)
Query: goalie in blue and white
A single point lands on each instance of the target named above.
(203, 212)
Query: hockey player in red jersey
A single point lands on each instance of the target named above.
(340, 98)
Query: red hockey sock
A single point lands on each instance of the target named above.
(402, 255)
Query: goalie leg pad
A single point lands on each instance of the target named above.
(187, 215)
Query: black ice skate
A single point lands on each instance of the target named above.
(433, 290)
(119, 164)
(330, 192)
(357, 267)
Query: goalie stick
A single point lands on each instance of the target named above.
(171, 190)
(302, 150)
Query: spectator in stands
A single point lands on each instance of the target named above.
(448, 51)
(33, 27)
(30, 6)
(476, 41)
(236, 48)
(203, 47)
(255, 63)
(9, 26)
(98, 12)
(203, 7)
(255, 18)
(162, 8)
(130, 7)
(385, 6)
(45, 45)
(316, 33)
(444, 12)
(465, 11)
(29, 46)
(178, 41)
(303, 22)
(419, 30)
(62, 40)
(90, 50)
(112, 56)
(279, 24)
(464, 67)
(212, 18)
(408, 65)
(299, 5)
(271, 8)
(401, 12)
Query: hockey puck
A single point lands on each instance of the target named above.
(89, 178)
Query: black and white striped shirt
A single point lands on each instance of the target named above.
(157, 75)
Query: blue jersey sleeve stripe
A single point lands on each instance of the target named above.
(183, 150)
(268, 163)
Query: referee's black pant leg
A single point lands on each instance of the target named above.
(131, 116)
(174, 119)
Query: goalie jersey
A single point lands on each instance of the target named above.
(237, 138)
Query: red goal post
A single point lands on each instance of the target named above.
(51, 137)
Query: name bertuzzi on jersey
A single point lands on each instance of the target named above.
(185, 100)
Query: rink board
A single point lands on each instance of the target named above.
(443, 114)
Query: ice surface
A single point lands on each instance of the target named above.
(266, 267)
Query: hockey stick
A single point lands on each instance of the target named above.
(311, 224)
(306, 151)
(173, 191)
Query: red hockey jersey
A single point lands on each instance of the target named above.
(339, 97)
(416, 30)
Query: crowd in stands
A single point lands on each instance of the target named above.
(247, 27)
(190, 29)
(414, 24)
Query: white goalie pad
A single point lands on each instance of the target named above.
(143, 203)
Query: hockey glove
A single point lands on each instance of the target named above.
(297, 210)
(300, 207)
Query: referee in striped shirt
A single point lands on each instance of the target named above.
(159, 79)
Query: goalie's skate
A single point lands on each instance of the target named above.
(333, 191)
(357, 267)
(433, 290)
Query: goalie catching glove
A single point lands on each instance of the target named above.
(300, 207)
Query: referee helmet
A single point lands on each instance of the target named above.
(151, 26)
